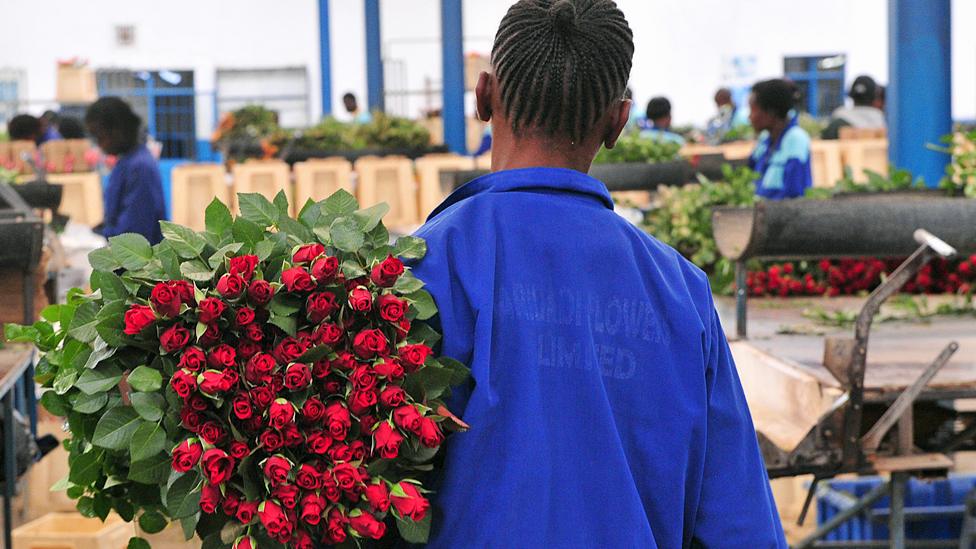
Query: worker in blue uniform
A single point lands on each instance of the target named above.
(604, 405)
(782, 153)
(134, 198)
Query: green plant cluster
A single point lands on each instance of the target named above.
(961, 172)
(632, 147)
(898, 180)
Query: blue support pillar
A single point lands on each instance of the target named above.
(919, 95)
(374, 57)
(452, 59)
(325, 57)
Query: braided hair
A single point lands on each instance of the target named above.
(561, 63)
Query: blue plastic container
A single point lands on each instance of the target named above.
(937, 504)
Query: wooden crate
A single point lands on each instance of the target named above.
(76, 84)
(44, 474)
(849, 132)
(170, 538)
(17, 150)
(865, 154)
(429, 170)
(318, 179)
(826, 163)
(265, 177)
(194, 187)
(81, 199)
(73, 531)
(389, 179)
(12, 292)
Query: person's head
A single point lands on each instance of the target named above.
(723, 97)
(24, 127)
(770, 103)
(559, 74)
(71, 128)
(863, 91)
(50, 119)
(350, 103)
(113, 124)
(659, 112)
(879, 98)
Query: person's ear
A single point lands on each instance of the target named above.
(619, 116)
(483, 92)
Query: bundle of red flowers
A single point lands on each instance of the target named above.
(280, 390)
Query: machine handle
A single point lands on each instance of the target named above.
(937, 245)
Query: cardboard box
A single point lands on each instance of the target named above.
(76, 84)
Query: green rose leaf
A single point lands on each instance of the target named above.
(132, 250)
(54, 403)
(407, 284)
(340, 203)
(99, 380)
(184, 241)
(414, 532)
(295, 230)
(352, 269)
(346, 235)
(281, 202)
(139, 543)
(410, 247)
(286, 323)
(152, 522)
(65, 380)
(88, 404)
(459, 372)
(189, 525)
(148, 440)
(183, 496)
(168, 259)
(149, 406)
(145, 379)
(110, 284)
(284, 304)
(369, 218)
(103, 259)
(310, 214)
(100, 351)
(116, 428)
(257, 209)
(217, 259)
(248, 232)
(423, 304)
(217, 218)
(196, 270)
(84, 322)
(86, 468)
(154, 470)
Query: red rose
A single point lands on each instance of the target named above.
(346, 476)
(186, 455)
(281, 413)
(253, 332)
(260, 292)
(246, 349)
(243, 265)
(311, 508)
(403, 329)
(337, 420)
(210, 309)
(211, 382)
(217, 466)
(297, 376)
(327, 334)
(261, 397)
(378, 496)
(288, 350)
(245, 542)
(193, 359)
(412, 504)
(137, 318)
(390, 369)
(197, 403)
(307, 253)
(174, 338)
(210, 336)
(190, 420)
(166, 300)
(184, 290)
(369, 343)
(184, 383)
(287, 495)
(297, 279)
(244, 316)
(408, 419)
(293, 437)
(344, 361)
(271, 441)
(393, 396)
(272, 517)
(366, 423)
(325, 269)
(302, 540)
(246, 511)
(231, 286)
(308, 477)
(313, 409)
(318, 442)
(321, 368)
(212, 433)
(386, 273)
(222, 356)
(238, 450)
(358, 450)
(363, 377)
(319, 306)
(276, 469)
(413, 356)
(339, 452)
(232, 502)
(361, 401)
(210, 498)
(387, 440)
(391, 308)
(336, 529)
(360, 299)
(241, 405)
(430, 433)
(366, 525)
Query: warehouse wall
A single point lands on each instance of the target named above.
(684, 48)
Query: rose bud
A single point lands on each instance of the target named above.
(391, 308)
(331, 489)
(378, 496)
(360, 402)
(387, 440)
(366, 525)
(430, 433)
(229, 380)
(311, 508)
(245, 542)
(366, 423)
(408, 418)
(238, 450)
(340, 452)
(403, 329)
(288, 350)
(217, 466)
(174, 338)
(260, 292)
(369, 343)
(297, 376)
(302, 540)
(413, 356)
(293, 437)
(358, 450)
(186, 455)
(210, 336)
(360, 299)
(386, 273)
(210, 499)
(222, 356)
(297, 279)
(393, 396)
(390, 369)
(334, 385)
(243, 266)
(313, 409)
(336, 529)
(190, 420)
(271, 441)
(231, 286)
(137, 318)
(261, 397)
(253, 332)
(211, 382)
(241, 405)
(318, 442)
(193, 359)
(244, 316)
(319, 306)
(346, 476)
(281, 413)
(184, 290)
(321, 368)
(325, 269)
(184, 383)
(272, 517)
(363, 377)
(210, 309)
(308, 477)
(246, 349)
(166, 300)
(287, 494)
(344, 361)
(337, 420)
(232, 501)
(276, 469)
(212, 433)
(327, 334)
(246, 511)
(307, 253)
(412, 505)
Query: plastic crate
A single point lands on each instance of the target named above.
(73, 531)
(940, 502)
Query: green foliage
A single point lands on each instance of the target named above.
(390, 132)
(631, 147)
(899, 180)
(249, 123)
(960, 175)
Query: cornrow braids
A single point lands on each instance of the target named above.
(561, 64)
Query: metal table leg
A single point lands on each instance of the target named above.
(9, 468)
(896, 521)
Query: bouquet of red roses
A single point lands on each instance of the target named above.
(268, 382)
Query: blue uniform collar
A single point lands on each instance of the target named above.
(544, 179)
